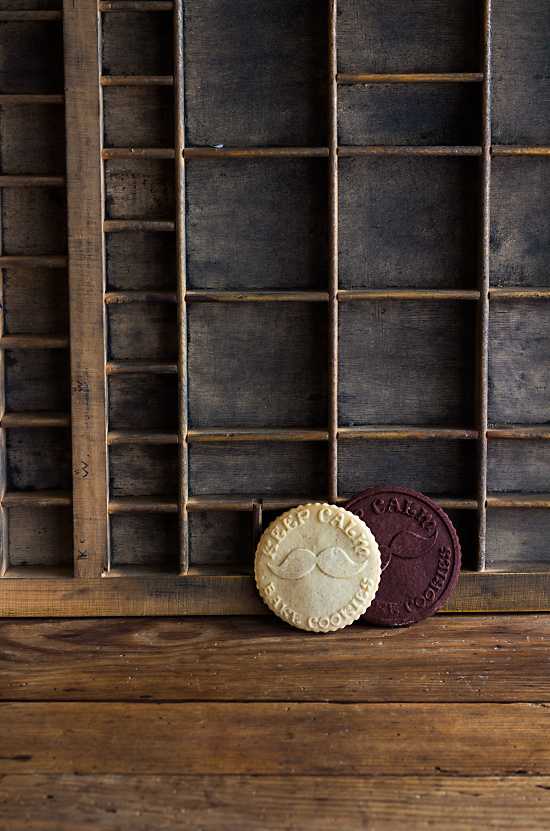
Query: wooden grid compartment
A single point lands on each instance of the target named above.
(307, 254)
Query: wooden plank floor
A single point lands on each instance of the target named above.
(245, 723)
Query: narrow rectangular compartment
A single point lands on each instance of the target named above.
(40, 537)
(34, 221)
(37, 379)
(409, 114)
(423, 36)
(407, 222)
(145, 542)
(517, 539)
(281, 468)
(521, 84)
(36, 301)
(518, 466)
(519, 370)
(138, 116)
(221, 538)
(137, 44)
(144, 470)
(140, 260)
(143, 402)
(406, 362)
(32, 139)
(520, 221)
(140, 189)
(142, 332)
(38, 459)
(257, 364)
(256, 224)
(436, 468)
(245, 86)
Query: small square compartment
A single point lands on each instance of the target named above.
(221, 538)
(257, 224)
(137, 44)
(437, 468)
(405, 362)
(144, 470)
(421, 36)
(37, 379)
(281, 468)
(519, 363)
(143, 402)
(520, 221)
(407, 222)
(34, 221)
(517, 539)
(32, 139)
(257, 364)
(421, 114)
(255, 73)
(145, 542)
(142, 332)
(36, 301)
(515, 466)
(31, 57)
(39, 459)
(140, 189)
(138, 116)
(139, 260)
(40, 538)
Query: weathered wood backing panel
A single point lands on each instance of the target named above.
(137, 44)
(139, 189)
(143, 402)
(518, 362)
(138, 116)
(40, 537)
(31, 57)
(32, 138)
(407, 222)
(36, 301)
(37, 379)
(406, 362)
(422, 114)
(243, 86)
(239, 468)
(140, 260)
(142, 331)
(520, 226)
(521, 98)
(256, 224)
(141, 540)
(434, 467)
(518, 466)
(39, 459)
(257, 365)
(517, 539)
(34, 221)
(222, 537)
(388, 36)
(136, 470)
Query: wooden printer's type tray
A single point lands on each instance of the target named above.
(278, 251)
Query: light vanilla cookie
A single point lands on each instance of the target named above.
(317, 567)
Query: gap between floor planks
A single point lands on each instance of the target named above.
(461, 658)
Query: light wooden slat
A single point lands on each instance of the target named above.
(407, 294)
(138, 153)
(518, 500)
(460, 658)
(227, 803)
(34, 342)
(36, 419)
(141, 297)
(401, 150)
(140, 368)
(17, 499)
(504, 150)
(31, 98)
(86, 287)
(245, 502)
(140, 437)
(254, 152)
(113, 225)
(410, 78)
(137, 80)
(26, 261)
(519, 432)
(396, 432)
(310, 738)
(4, 535)
(24, 16)
(258, 434)
(534, 293)
(15, 181)
(234, 594)
(143, 504)
(208, 296)
(135, 6)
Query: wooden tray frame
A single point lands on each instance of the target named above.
(94, 589)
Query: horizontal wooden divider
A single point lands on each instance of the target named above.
(403, 150)
(409, 78)
(136, 80)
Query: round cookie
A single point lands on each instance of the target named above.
(420, 554)
(317, 566)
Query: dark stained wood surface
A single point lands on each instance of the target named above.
(244, 723)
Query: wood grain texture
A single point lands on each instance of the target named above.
(87, 285)
(447, 658)
(303, 738)
(218, 803)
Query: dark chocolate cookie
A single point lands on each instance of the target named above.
(420, 554)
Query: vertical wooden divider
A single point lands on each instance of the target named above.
(179, 121)
(86, 286)
(3, 466)
(483, 307)
(332, 474)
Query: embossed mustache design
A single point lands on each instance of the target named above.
(334, 562)
(406, 545)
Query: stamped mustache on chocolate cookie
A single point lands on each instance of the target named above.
(317, 566)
